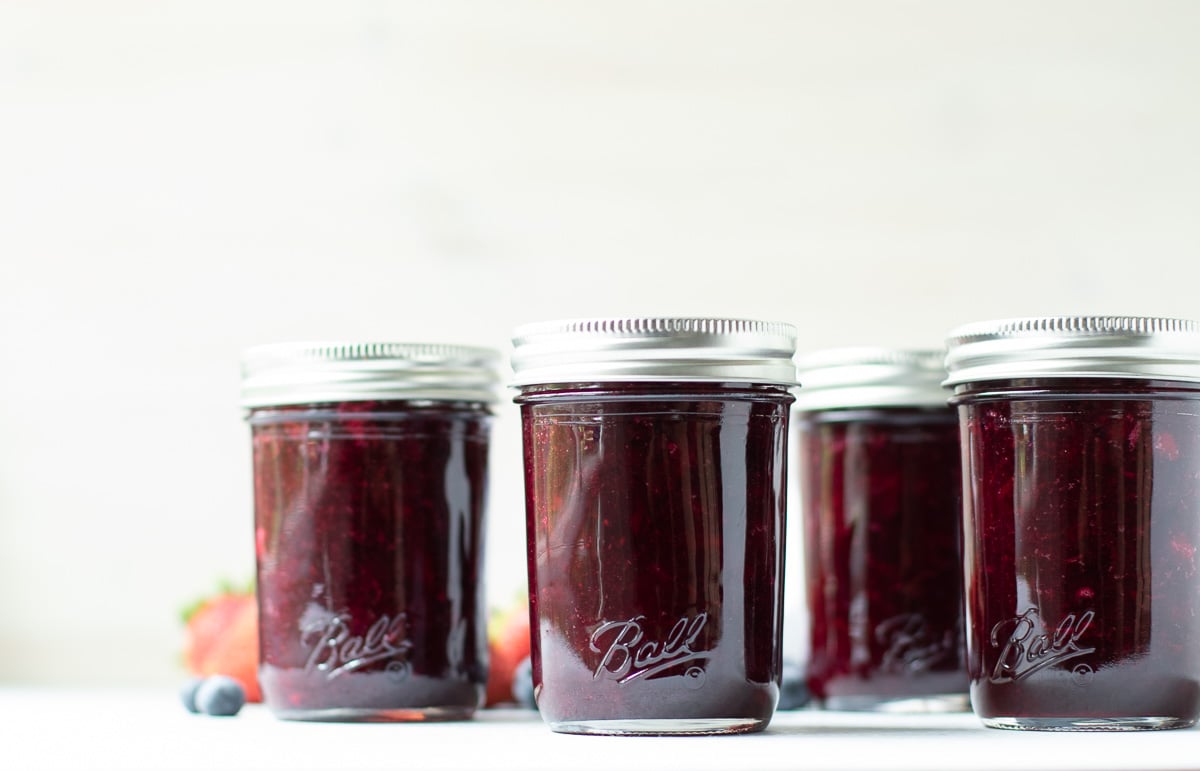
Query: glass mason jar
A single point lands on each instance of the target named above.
(1081, 456)
(370, 474)
(880, 500)
(655, 464)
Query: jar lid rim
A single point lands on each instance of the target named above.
(279, 374)
(1072, 326)
(1145, 347)
(851, 377)
(654, 348)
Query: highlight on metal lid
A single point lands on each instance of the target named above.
(282, 374)
(654, 349)
(1137, 347)
(841, 378)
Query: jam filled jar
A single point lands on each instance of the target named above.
(880, 492)
(655, 464)
(1081, 462)
(370, 473)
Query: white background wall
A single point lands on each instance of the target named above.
(179, 180)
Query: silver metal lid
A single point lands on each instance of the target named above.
(1137, 347)
(649, 349)
(841, 378)
(310, 373)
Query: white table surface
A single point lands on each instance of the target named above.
(47, 728)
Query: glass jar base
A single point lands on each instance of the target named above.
(660, 727)
(1087, 723)
(360, 715)
(931, 703)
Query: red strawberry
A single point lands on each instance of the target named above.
(508, 645)
(221, 638)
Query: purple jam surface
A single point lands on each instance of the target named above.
(1081, 527)
(655, 532)
(368, 525)
(881, 508)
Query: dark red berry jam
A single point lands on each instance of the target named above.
(1082, 524)
(655, 518)
(369, 532)
(880, 499)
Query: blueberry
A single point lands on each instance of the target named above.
(220, 696)
(187, 694)
(793, 692)
(522, 687)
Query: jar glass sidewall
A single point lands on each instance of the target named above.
(655, 527)
(881, 511)
(1081, 526)
(1072, 388)
(369, 523)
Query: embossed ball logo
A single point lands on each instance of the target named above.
(627, 654)
(334, 651)
(1026, 647)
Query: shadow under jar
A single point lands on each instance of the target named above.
(1081, 454)
(880, 491)
(370, 474)
(655, 463)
